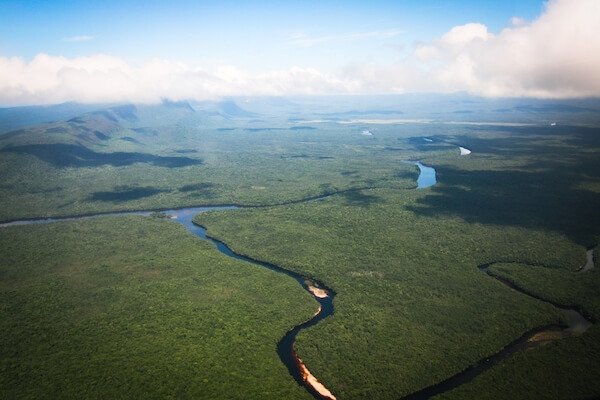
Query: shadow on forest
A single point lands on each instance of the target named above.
(194, 187)
(204, 189)
(517, 140)
(547, 194)
(412, 175)
(125, 193)
(419, 143)
(67, 155)
(360, 199)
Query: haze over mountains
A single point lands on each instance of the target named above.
(260, 110)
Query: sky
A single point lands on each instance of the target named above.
(91, 51)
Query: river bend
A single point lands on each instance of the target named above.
(576, 323)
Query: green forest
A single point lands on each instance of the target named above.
(137, 307)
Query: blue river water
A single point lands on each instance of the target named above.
(427, 176)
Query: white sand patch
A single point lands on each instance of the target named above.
(589, 261)
(384, 121)
(313, 382)
(318, 292)
(515, 124)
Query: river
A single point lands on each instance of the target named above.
(576, 323)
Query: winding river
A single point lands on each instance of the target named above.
(285, 348)
(576, 323)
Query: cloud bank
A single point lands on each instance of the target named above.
(103, 78)
(555, 56)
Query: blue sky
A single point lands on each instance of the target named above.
(256, 35)
(100, 51)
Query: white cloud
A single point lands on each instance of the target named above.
(556, 55)
(517, 21)
(464, 34)
(80, 38)
(102, 78)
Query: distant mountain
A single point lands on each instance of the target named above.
(177, 104)
(126, 112)
(227, 108)
(113, 126)
(89, 129)
(134, 124)
(553, 108)
(12, 118)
